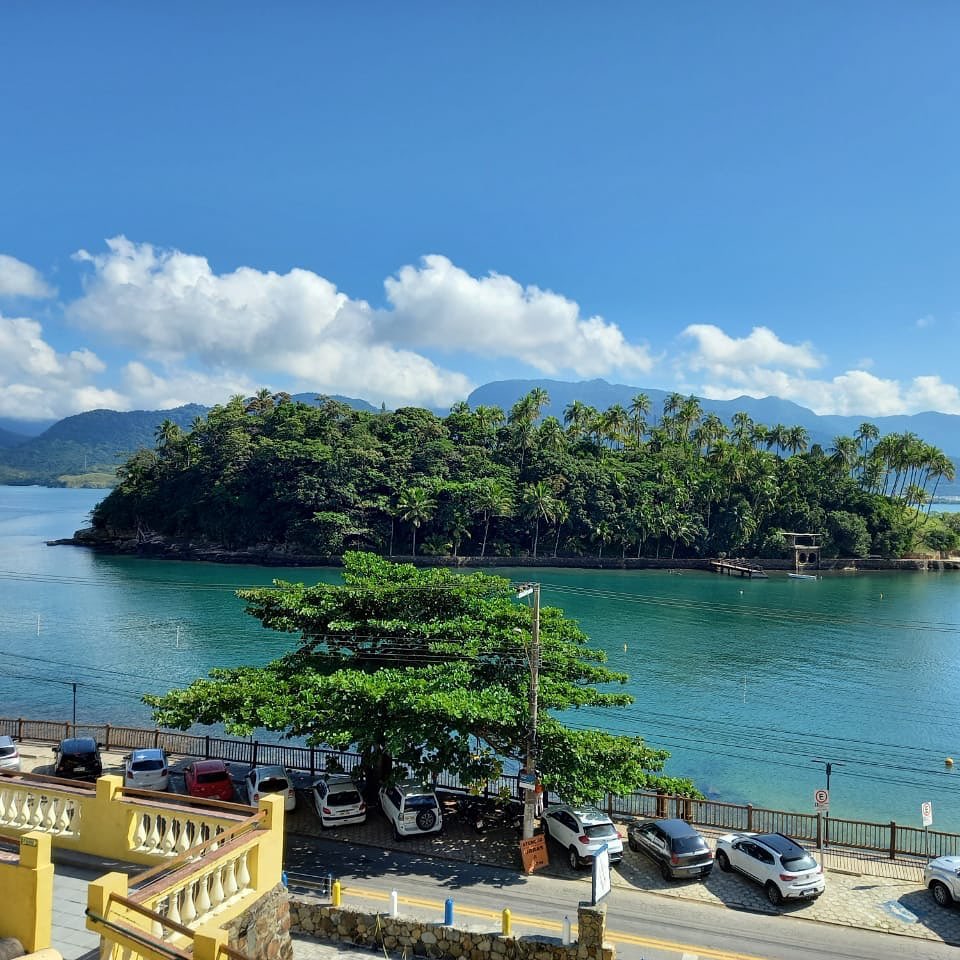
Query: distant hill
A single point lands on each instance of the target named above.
(25, 428)
(10, 439)
(96, 442)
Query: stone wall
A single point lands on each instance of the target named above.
(263, 931)
(422, 939)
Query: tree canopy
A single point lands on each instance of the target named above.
(427, 671)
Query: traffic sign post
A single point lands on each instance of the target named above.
(926, 816)
(821, 801)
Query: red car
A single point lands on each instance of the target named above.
(208, 778)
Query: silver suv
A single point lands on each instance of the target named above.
(412, 809)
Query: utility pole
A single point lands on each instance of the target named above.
(828, 766)
(533, 656)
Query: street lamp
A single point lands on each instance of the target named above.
(530, 799)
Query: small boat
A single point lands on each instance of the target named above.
(802, 576)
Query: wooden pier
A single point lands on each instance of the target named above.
(739, 568)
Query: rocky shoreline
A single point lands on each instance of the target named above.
(160, 548)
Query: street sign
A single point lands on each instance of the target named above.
(601, 874)
(821, 799)
(926, 813)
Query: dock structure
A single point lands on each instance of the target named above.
(739, 568)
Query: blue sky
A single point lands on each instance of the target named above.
(402, 201)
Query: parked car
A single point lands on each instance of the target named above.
(208, 778)
(271, 779)
(77, 758)
(942, 878)
(146, 769)
(678, 848)
(784, 869)
(9, 754)
(338, 801)
(412, 809)
(582, 831)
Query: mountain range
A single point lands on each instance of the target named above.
(85, 449)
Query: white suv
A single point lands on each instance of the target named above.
(582, 831)
(942, 877)
(412, 809)
(780, 865)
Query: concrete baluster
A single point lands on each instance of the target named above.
(140, 834)
(217, 895)
(153, 838)
(203, 895)
(183, 838)
(230, 879)
(188, 909)
(243, 873)
(169, 840)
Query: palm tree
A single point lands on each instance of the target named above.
(539, 503)
(797, 440)
(492, 500)
(416, 507)
(552, 437)
(639, 410)
(575, 418)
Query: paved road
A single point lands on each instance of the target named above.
(641, 924)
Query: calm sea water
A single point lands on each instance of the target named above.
(747, 683)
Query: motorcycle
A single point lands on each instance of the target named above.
(490, 813)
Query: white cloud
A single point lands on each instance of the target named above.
(439, 305)
(37, 383)
(719, 353)
(925, 321)
(19, 279)
(174, 309)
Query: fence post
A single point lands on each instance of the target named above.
(893, 840)
(107, 736)
(819, 830)
(749, 816)
(313, 763)
(610, 805)
(19, 728)
(156, 737)
(206, 746)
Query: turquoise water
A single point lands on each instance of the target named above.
(747, 683)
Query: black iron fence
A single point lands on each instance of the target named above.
(891, 839)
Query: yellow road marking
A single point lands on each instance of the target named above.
(612, 935)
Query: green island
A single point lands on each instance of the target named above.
(273, 474)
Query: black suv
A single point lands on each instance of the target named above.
(78, 759)
(679, 849)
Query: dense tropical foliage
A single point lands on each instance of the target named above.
(320, 480)
(426, 671)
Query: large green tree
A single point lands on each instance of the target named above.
(426, 671)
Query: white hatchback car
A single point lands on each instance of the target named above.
(784, 869)
(146, 769)
(412, 809)
(582, 831)
(272, 779)
(338, 801)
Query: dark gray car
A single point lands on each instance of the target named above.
(678, 848)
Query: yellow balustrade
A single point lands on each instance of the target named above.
(109, 821)
(26, 892)
(179, 907)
